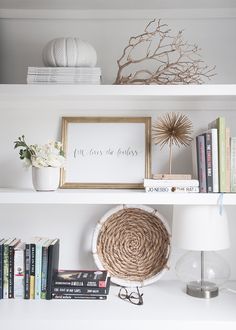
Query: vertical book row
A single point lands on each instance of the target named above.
(214, 158)
(26, 269)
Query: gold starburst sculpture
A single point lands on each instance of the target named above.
(172, 128)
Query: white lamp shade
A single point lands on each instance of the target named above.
(200, 228)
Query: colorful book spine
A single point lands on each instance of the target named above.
(208, 156)
(228, 160)
(82, 290)
(32, 270)
(27, 271)
(19, 271)
(215, 170)
(219, 123)
(233, 164)
(81, 278)
(172, 189)
(201, 162)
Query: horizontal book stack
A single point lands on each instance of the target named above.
(26, 269)
(81, 284)
(177, 185)
(64, 75)
(214, 158)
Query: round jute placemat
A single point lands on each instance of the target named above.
(133, 244)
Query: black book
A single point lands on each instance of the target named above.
(80, 278)
(1, 266)
(27, 271)
(53, 263)
(11, 268)
(82, 290)
(201, 163)
(77, 296)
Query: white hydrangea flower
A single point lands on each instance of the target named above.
(49, 154)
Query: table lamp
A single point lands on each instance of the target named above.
(201, 229)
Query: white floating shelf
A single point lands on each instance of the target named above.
(24, 90)
(74, 196)
(117, 97)
(165, 305)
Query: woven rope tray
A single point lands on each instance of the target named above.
(133, 244)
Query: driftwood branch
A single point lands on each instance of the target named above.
(166, 59)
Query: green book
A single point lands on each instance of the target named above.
(219, 123)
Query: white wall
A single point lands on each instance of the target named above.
(22, 40)
(21, 45)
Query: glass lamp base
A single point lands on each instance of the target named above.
(204, 289)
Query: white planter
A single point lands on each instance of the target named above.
(45, 178)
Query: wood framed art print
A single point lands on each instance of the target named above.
(106, 152)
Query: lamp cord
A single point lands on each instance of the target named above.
(228, 289)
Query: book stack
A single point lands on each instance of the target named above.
(64, 75)
(26, 269)
(81, 284)
(171, 185)
(214, 158)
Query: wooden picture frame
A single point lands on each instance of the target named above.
(106, 152)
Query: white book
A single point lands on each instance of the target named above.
(187, 189)
(64, 83)
(215, 160)
(72, 79)
(64, 70)
(19, 270)
(170, 183)
(228, 160)
(233, 165)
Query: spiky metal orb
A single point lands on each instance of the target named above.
(172, 128)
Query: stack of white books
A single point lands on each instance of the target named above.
(171, 186)
(64, 75)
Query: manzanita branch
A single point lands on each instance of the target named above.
(173, 60)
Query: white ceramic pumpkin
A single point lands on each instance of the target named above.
(69, 52)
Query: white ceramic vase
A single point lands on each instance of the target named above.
(45, 178)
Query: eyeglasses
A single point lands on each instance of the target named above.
(134, 297)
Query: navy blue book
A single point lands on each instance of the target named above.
(1, 267)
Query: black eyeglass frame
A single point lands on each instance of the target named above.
(132, 297)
